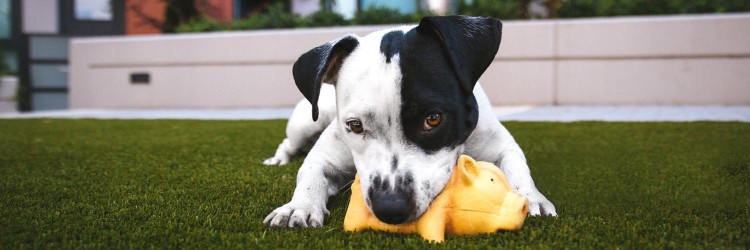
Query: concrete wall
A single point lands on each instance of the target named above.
(675, 60)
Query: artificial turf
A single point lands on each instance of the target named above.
(199, 184)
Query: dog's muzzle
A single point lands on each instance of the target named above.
(391, 204)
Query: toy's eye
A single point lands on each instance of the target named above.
(492, 179)
(355, 126)
(431, 121)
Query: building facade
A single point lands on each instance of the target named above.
(35, 34)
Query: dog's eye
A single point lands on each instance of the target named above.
(355, 126)
(431, 121)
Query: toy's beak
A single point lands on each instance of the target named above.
(523, 204)
(514, 211)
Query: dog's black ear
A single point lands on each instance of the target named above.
(321, 65)
(470, 42)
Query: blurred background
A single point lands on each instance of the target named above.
(79, 54)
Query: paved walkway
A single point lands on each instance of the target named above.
(625, 113)
(199, 114)
(548, 113)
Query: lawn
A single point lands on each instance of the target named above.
(199, 184)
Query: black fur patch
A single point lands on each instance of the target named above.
(441, 60)
(394, 163)
(427, 185)
(429, 84)
(407, 182)
(390, 44)
(321, 64)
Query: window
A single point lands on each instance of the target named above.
(93, 10)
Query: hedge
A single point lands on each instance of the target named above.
(277, 16)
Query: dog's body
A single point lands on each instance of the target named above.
(405, 106)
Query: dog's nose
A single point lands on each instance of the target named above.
(392, 207)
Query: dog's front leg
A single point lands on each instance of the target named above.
(328, 167)
(512, 162)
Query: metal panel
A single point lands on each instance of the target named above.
(48, 48)
(49, 101)
(49, 75)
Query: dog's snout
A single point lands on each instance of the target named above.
(391, 207)
(390, 203)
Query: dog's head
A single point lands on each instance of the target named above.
(405, 104)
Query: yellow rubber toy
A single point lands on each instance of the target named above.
(476, 200)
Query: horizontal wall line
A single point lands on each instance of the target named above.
(187, 64)
(541, 58)
(49, 89)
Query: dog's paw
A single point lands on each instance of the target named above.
(276, 161)
(297, 215)
(538, 204)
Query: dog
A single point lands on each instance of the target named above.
(399, 108)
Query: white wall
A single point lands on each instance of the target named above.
(632, 61)
(676, 60)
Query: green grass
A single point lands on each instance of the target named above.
(200, 184)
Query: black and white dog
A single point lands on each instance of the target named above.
(406, 104)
